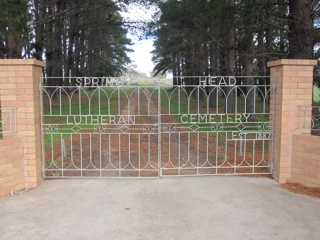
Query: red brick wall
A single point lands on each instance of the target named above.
(306, 160)
(19, 88)
(11, 165)
(292, 79)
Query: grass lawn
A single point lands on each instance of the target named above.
(316, 94)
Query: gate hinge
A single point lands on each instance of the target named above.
(39, 87)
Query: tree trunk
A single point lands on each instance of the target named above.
(213, 91)
(230, 94)
(300, 29)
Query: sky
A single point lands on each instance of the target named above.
(141, 56)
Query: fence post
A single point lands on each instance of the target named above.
(19, 88)
(292, 79)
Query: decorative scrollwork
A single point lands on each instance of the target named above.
(100, 128)
(148, 128)
(216, 127)
(169, 127)
(52, 128)
(263, 126)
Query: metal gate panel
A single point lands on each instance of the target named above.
(111, 127)
(203, 135)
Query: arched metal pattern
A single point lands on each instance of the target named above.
(114, 127)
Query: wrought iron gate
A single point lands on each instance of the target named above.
(116, 127)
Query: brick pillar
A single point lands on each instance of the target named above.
(19, 87)
(293, 82)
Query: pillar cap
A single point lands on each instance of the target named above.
(300, 62)
(22, 62)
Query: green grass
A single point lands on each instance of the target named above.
(316, 94)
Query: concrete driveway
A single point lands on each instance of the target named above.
(168, 208)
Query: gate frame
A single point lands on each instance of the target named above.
(257, 133)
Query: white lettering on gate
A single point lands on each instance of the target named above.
(101, 119)
(217, 81)
(96, 82)
(212, 118)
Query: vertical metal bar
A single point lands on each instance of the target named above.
(81, 159)
(90, 148)
(139, 163)
(109, 149)
(63, 147)
(207, 149)
(50, 100)
(79, 101)
(273, 121)
(41, 128)
(109, 105)
(149, 158)
(149, 101)
(245, 146)
(71, 149)
(52, 149)
(62, 155)
(198, 147)
(226, 102)
(179, 92)
(119, 101)
(208, 104)
(226, 148)
(235, 164)
(253, 155)
(235, 149)
(138, 100)
(245, 99)
(189, 147)
(179, 155)
(236, 103)
(99, 98)
(254, 98)
(263, 149)
(129, 146)
(100, 156)
(198, 88)
(188, 105)
(70, 101)
(119, 154)
(159, 131)
(217, 99)
(60, 103)
(217, 151)
(169, 142)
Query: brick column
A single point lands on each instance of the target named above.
(19, 87)
(293, 82)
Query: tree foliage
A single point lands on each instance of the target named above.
(75, 37)
(228, 37)
(193, 37)
(14, 31)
